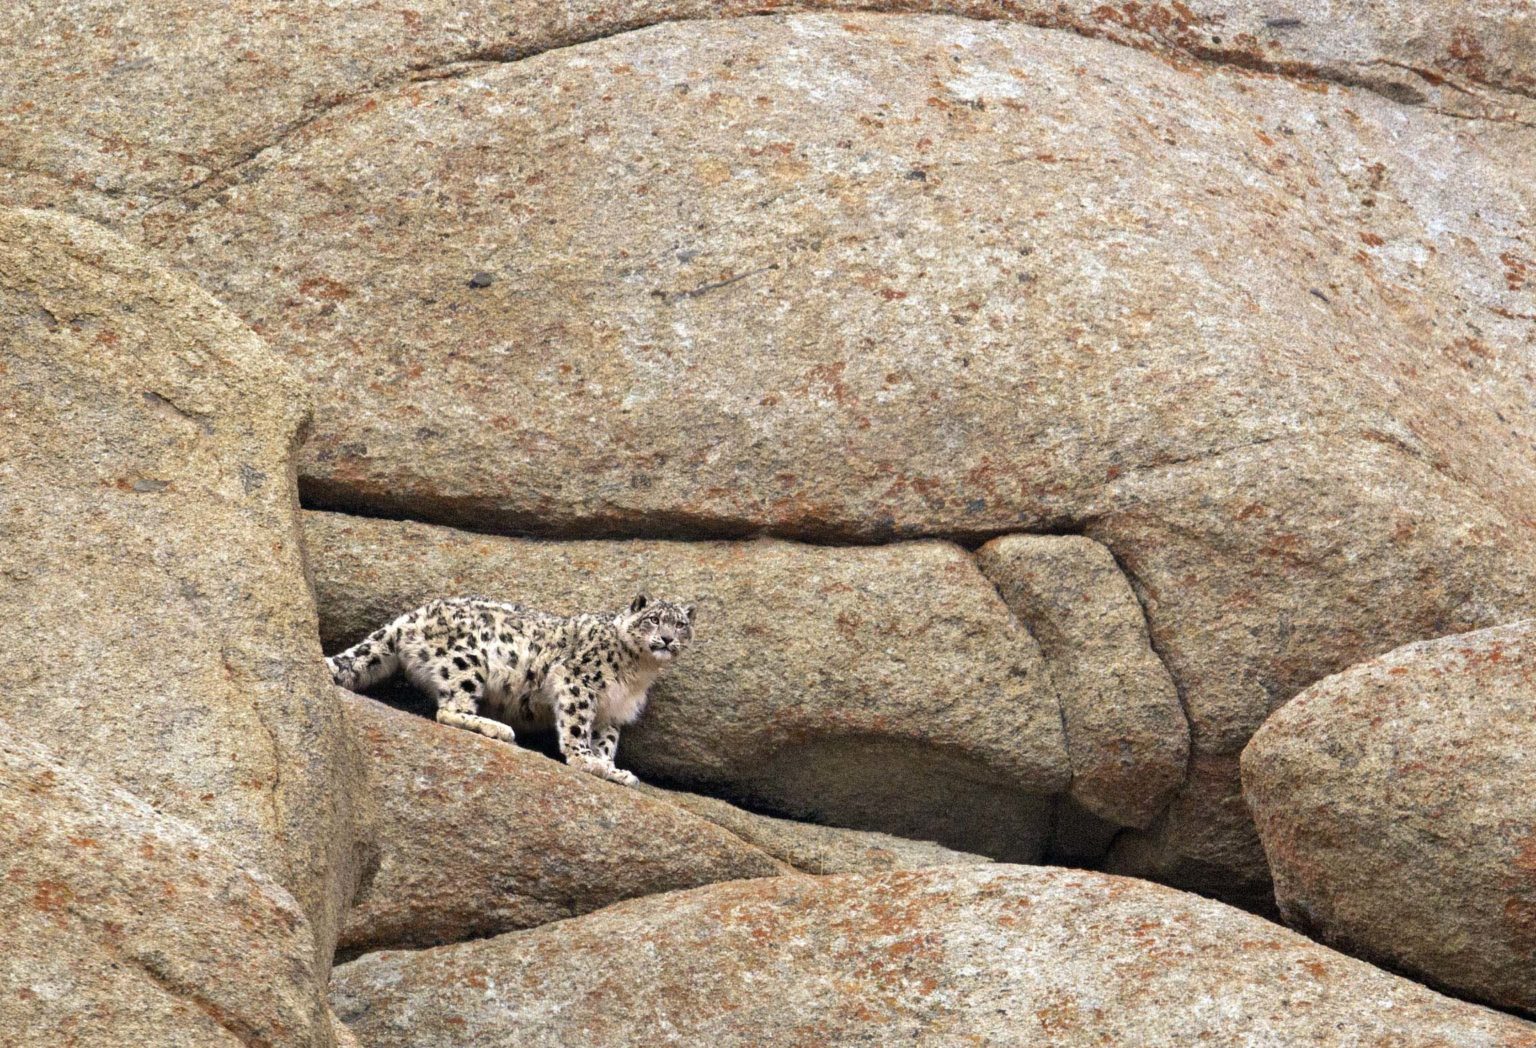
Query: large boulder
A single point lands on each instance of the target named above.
(1397, 805)
(882, 688)
(129, 107)
(968, 310)
(157, 624)
(695, 351)
(477, 837)
(980, 954)
(124, 926)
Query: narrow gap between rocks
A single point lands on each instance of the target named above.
(659, 527)
(1055, 849)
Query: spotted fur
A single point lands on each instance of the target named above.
(587, 675)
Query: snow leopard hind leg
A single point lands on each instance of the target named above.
(456, 679)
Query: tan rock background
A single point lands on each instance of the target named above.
(477, 837)
(1003, 955)
(135, 105)
(1036, 396)
(1073, 332)
(125, 926)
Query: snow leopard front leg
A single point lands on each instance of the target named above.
(575, 727)
(605, 744)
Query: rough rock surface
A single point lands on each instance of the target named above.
(1126, 733)
(1472, 59)
(123, 926)
(864, 277)
(884, 688)
(982, 954)
(157, 625)
(166, 98)
(1204, 841)
(478, 837)
(1397, 805)
(817, 849)
(527, 401)
(1127, 365)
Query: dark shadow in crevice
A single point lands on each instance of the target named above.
(483, 517)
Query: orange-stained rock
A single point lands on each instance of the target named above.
(861, 276)
(1396, 805)
(997, 955)
(198, 92)
(123, 926)
(157, 627)
(477, 837)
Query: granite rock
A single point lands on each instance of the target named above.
(1396, 807)
(126, 926)
(155, 615)
(997, 955)
(477, 837)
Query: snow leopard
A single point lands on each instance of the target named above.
(587, 675)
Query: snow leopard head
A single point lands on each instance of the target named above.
(658, 628)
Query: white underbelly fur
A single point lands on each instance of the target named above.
(620, 703)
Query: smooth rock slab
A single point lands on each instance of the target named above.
(1126, 732)
(1397, 805)
(477, 837)
(128, 106)
(884, 688)
(759, 325)
(123, 926)
(156, 623)
(992, 955)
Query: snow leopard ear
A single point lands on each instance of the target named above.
(688, 610)
(638, 604)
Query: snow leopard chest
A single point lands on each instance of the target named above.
(525, 704)
(526, 666)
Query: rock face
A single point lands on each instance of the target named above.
(124, 926)
(1469, 59)
(157, 626)
(1396, 806)
(1126, 732)
(478, 837)
(992, 954)
(817, 849)
(877, 688)
(198, 92)
(1017, 294)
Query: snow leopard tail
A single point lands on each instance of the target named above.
(372, 659)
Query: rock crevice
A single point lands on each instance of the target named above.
(825, 674)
